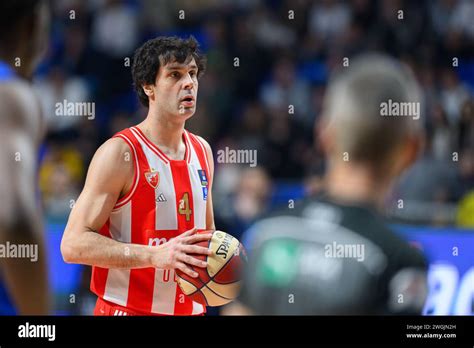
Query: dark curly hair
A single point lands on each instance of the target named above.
(160, 51)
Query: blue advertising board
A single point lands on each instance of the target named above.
(450, 253)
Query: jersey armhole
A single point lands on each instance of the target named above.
(136, 175)
(208, 167)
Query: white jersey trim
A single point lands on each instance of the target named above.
(125, 199)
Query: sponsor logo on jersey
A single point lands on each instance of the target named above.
(204, 193)
(203, 177)
(153, 178)
(158, 241)
(160, 198)
(158, 237)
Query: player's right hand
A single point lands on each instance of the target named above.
(175, 254)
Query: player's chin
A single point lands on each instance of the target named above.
(186, 112)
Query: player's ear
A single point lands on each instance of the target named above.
(324, 135)
(148, 89)
(414, 147)
(409, 152)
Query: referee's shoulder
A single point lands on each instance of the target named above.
(282, 218)
(292, 208)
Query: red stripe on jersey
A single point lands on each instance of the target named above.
(141, 280)
(99, 274)
(184, 199)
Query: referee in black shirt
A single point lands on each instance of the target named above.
(335, 254)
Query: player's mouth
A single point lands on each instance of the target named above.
(187, 101)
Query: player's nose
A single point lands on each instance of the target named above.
(188, 82)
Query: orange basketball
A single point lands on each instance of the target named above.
(219, 282)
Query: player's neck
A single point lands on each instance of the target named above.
(163, 133)
(357, 184)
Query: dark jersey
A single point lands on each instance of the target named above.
(323, 257)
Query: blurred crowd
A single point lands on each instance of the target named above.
(268, 65)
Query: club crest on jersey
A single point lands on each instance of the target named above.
(153, 178)
(202, 177)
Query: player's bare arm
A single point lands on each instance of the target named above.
(20, 221)
(107, 180)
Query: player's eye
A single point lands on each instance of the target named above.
(175, 74)
(192, 73)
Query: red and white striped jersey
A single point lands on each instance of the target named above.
(168, 197)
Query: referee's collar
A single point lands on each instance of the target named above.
(348, 203)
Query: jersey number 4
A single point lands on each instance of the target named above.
(184, 206)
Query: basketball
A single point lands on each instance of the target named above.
(219, 282)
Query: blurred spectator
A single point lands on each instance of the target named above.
(270, 31)
(286, 91)
(60, 176)
(466, 171)
(58, 87)
(466, 125)
(453, 95)
(115, 29)
(442, 135)
(442, 183)
(249, 200)
(441, 13)
(461, 19)
(329, 18)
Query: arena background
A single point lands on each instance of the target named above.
(268, 66)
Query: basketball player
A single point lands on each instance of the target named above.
(23, 34)
(148, 193)
(336, 254)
